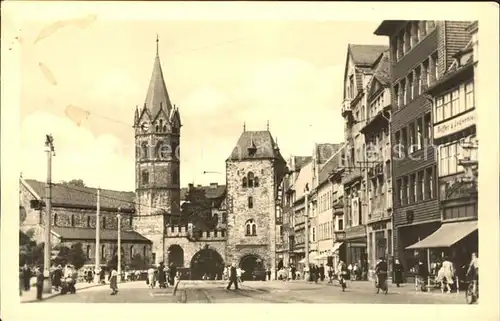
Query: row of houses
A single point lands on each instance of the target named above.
(403, 183)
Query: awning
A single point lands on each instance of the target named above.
(447, 235)
(336, 246)
(312, 257)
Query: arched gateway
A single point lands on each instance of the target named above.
(175, 255)
(251, 263)
(206, 261)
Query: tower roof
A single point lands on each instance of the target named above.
(263, 143)
(157, 96)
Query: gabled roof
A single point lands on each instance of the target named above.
(84, 196)
(301, 161)
(332, 163)
(366, 55)
(77, 233)
(383, 68)
(325, 151)
(211, 192)
(157, 96)
(265, 147)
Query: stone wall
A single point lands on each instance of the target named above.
(263, 213)
(191, 248)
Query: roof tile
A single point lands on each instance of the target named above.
(75, 233)
(265, 147)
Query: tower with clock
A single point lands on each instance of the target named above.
(157, 166)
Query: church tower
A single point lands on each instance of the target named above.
(253, 173)
(157, 166)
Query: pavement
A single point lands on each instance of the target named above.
(258, 292)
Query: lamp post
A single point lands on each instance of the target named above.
(119, 259)
(49, 149)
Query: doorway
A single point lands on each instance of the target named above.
(208, 263)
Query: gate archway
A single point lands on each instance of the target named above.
(175, 255)
(206, 261)
(250, 263)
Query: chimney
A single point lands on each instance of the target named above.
(214, 185)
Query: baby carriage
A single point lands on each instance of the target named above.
(68, 285)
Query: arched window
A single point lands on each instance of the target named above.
(55, 220)
(157, 128)
(145, 150)
(161, 150)
(164, 128)
(250, 202)
(244, 182)
(250, 228)
(256, 182)
(103, 251)
(175, 150)
(88, 221)
(216, 218)
(131, 251)
(130, 220)
(89, 252)
(103, 222)
(161, 123)
(145, 177)
(72, 220)
(250, 178)
(144, 251)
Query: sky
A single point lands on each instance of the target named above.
(220, 74)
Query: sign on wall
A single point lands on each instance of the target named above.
(455, 125)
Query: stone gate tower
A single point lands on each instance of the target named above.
(157, 167)
(254, 170)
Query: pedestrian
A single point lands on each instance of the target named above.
(56, 280)
(113, 281)
(447, 275)
(39, 283)
(293, 269)
(233, 277)
(161, 275)
(21, 282)
(322, 272)
(268, 272)
(26, 277)
(398, 273)
(172, 273)
(239, 272)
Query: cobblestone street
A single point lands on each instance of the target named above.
(258, 292)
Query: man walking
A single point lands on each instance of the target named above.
(233, 277)
(39, 283)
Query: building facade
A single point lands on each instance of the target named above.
(454, 130)
(420, 53)
(378, 154)
(253, 172)
(357, 75)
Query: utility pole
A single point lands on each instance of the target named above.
(49, 149)
(98, 237)
(306, 232)
(119, 260)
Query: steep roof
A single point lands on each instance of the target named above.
(210, 191)
(382, 68)
(333, 162)
(84, 196)
(325, 151)
(301, 161)
(366, 55)
(262, 143)
(76, 233)
(157, 96)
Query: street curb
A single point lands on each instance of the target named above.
(52, 295)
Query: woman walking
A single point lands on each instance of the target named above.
(113, 281)
(447, 275)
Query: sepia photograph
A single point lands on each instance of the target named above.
(248, 161)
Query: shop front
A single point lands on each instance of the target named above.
(355, 242)
(379, 243)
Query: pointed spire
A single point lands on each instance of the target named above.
(157, 46)
(268, 125)
(157, 94)
(244, 127)
(136, 115)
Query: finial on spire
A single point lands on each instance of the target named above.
(157, 41)
(244, 127)
(268, 125)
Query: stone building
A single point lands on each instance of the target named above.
(378, 153)
(157, 170)
(254, 170)
(74, 219)
(359, 69)
(454, 133)
(420, 54)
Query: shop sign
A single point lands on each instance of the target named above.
(455, 125)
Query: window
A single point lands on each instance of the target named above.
(411, 94)
(438, 111)
(250, 228)
(429, 191)
(103, 251)
(424, 75)
(250, 202)
(399, 147)
(448, 156)
(103, 222)
(89, 252)
(389, 242)
(431, 24)
(404, 140)
(469, 95)
(313, 234)
(411, 134)
(411, 192)
(416, 85)
(244, 184)
(351, 87)
(88, 221)
(404, 93)
(402, 36)
(145, 150)
(145, 177)
(420, 137)
(455, 106)
(433, 68)
(131, 251)
(162, 150)
(420, 187)
(428, 127)
(447, 107)
(396, 95)
(423, 28)
(406, 191)
(341, 224)
(224, 218)
(72, 220)
(256, 182)
(130, 220)
(250, 179)
(469, 210)
(144, 251)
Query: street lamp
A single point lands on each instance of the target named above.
(119, 260)
(49, 149)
